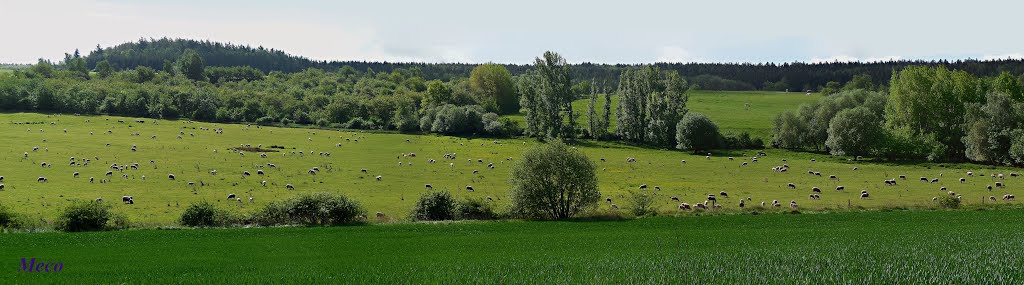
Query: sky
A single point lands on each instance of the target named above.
(478, 31)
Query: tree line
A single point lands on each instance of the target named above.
(796, 76)
(927, 112)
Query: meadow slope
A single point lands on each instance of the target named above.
(191, 158)
(733, 111)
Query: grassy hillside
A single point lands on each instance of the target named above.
(159, 200)
(947, 247)
(733, 111)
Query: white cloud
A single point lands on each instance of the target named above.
(675, 54)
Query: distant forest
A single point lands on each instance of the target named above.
(156, 53)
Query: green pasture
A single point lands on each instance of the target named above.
(199, 150)
(897, 247)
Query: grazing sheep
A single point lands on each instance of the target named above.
(1, 187)
(608, 200)
(470, 188)
(762, 204)
(711, 197)
(643, 186)
(126, 200)
(99, 200)
(832, 177)
(476, 171)
(231, 196)
(741, 203)
(989, 187)
(76, 174)
(969, 173)
(259, 172)
(92, 179)
(815, 189)
(429, 186)
(840, 188)
(245, 173)
(925, 179)
(674, 198)
(289, 187)
(191, 183)
(951, 193)
(904, 177)
(792, 204)
(855, 168)
(684, 206)
(1014, 174)
(999, 184)
(723, 194)
(311, 172)
(1, 178)
(380, 215)
(170, 176)
(942, 188)
(864, 194)
(264, 183)
(42, 179)
(379, 177)
(934, 180)
(492, 199)
(993, 198)
(791, 185)
(683, 161)
(363, 170)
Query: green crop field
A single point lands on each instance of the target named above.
(899, 247)
(735, 112)
(200, 150)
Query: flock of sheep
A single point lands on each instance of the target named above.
(128, 171)
(710, 201)
(264, 168)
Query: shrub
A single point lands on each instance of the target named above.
(7, 218)
(310, 209)
(475, 209)
(322, 122)
(948, 201)
(697, 132)
(275, 213)
(359, 123)
(643, 203)
(204, 214)
(287, 121)
(84, 216)
(434, 206)
(265, 121)
(553, 181)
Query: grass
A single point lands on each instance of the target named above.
(160, 201)
(945, 247)
(734, 112)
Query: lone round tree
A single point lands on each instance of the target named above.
(553, 181)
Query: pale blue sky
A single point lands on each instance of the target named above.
(517, 31)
